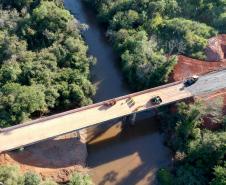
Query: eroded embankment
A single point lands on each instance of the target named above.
(54, 158)
(186, 67)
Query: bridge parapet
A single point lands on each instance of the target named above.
(77, 119)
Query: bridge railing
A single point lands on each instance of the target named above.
(36, 121)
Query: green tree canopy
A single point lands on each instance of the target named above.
(80, 179)
(10, 175)
(18, 102)
(220, 175)
(31, 178)
(44, 63)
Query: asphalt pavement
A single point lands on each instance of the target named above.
(208, 83)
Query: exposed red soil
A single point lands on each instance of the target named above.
(54, 158)
(186, 67)
(216, 49)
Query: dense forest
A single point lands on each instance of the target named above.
(196, 133)
(43, 60)
(148, 33)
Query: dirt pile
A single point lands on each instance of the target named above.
(216, 49)
(54, 158)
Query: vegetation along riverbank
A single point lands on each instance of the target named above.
(44, 64)
(45, 68)
(148, 35)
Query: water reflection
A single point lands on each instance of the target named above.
(128, 154)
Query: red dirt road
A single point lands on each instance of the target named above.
(187, 66)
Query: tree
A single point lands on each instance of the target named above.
(10, 175)
(80, 179)
(46, 24)
(207, 151)
(207, 11)
(10, 72)
(31, 178)
(194, 35)
(127, 19)
(142, 62)
(18, 102)
(165, 177)
(220, 175)
(43, 61)
(189, 175)
(11, 46)
(200, 150)
(186, 129)
(18, 4)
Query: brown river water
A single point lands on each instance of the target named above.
(123, 154)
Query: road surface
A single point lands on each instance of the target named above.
(52, 126)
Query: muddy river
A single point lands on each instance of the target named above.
(123, 154)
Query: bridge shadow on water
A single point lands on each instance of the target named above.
(132, 156)
(121, 155)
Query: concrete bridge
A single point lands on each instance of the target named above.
(59, 124)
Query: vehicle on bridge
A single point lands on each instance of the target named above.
(191, 80)
(110, 103)
(156, 100)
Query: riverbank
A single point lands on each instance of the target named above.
(110, 83)
(117, 153)
(129, 147)
(126, 154)
(55, 158)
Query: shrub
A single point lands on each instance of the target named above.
(31, 179)
(220, 175)
(165, 177)
(80, 179)
(10, 175)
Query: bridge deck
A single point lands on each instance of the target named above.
(59, 124)
(52, 126)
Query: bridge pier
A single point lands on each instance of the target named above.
(130, 119)
(81, 135)
(78, 136)
(133, 119)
